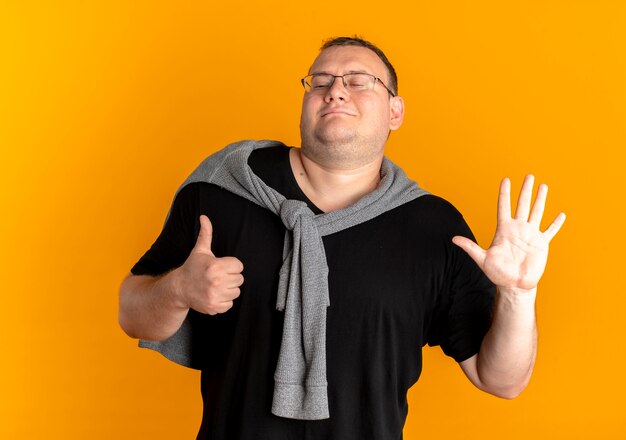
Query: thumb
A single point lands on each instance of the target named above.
(475, 252)
(205, 237)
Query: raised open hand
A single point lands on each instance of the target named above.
(518, 253)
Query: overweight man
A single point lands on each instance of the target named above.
(304, 282)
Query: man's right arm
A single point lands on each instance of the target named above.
(154, 308)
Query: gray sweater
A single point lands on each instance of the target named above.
(300, 377)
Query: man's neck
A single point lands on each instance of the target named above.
(333, 189)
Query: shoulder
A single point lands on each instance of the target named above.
(431, 208)
(195, 191)
(429, 218)
(433, 202)
(204, 196)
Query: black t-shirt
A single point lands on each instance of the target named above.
(397, 282)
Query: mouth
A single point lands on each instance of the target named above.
(336, 112)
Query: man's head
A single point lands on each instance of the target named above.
(346, 120)
(392, 78)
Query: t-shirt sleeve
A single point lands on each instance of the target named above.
(465, 307)
(177, 239)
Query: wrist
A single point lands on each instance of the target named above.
(173, 289)
(515, 295)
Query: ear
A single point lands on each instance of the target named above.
(396, 112)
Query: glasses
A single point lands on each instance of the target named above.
(353, 82)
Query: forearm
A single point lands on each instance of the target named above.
(507, 355)
(149, 307)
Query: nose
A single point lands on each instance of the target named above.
(337, 91)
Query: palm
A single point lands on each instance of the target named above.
(518, 253)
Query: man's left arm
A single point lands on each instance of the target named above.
(514, 262)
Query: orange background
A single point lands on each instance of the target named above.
(105, 107)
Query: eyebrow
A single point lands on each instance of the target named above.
(346, 73)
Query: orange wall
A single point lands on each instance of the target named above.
(105, 107)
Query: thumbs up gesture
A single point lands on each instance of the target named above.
(209, 284)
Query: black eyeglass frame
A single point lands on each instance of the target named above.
(308, 88)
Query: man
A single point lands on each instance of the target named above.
(303, 282)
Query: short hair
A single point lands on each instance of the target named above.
(358, 41)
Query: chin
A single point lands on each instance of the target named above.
(337, 136)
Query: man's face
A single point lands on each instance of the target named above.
(342, 129)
